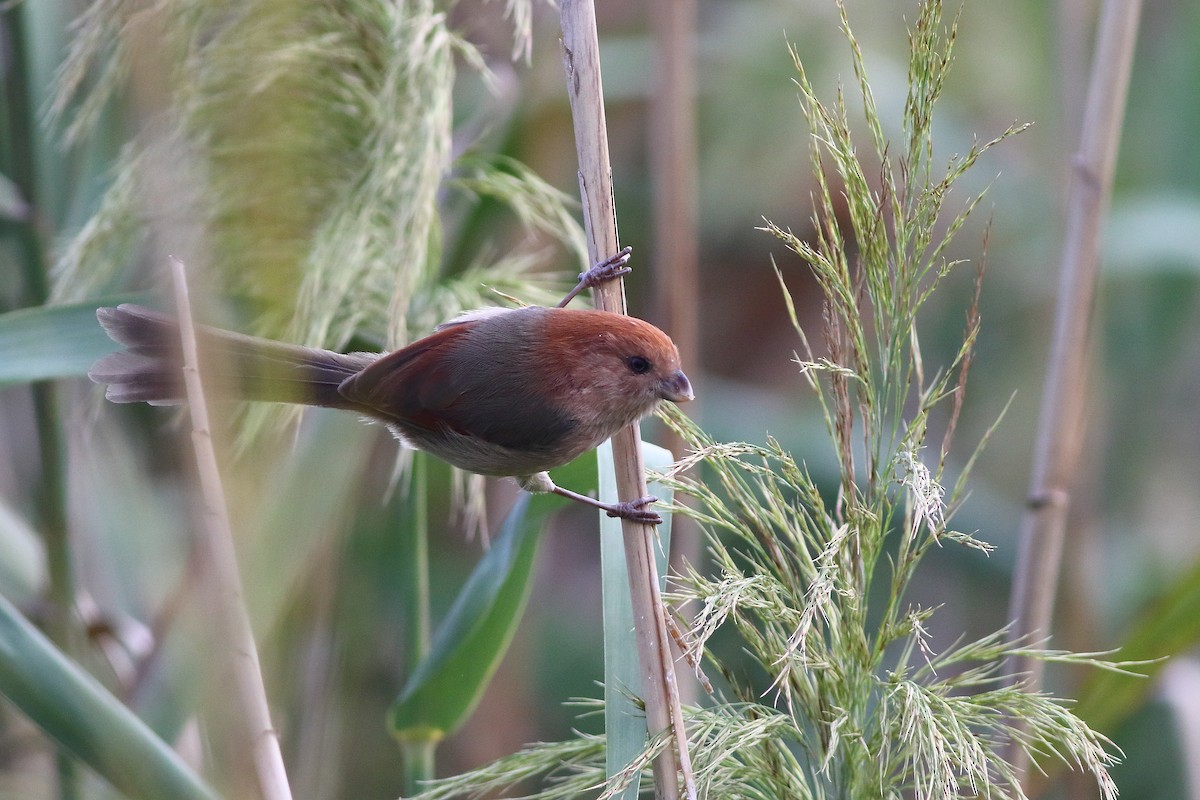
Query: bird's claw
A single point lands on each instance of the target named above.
(636, 511)
(601, 272)
(608, 269)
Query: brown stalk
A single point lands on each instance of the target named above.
(1056, 457)
(672, 135)
(581, 58)
(224, 583)
(673, 162)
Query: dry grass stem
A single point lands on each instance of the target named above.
(581, 55)
(1056, 457)
(224, 581)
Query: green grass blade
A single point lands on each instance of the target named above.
(624, 721)
(81, 715)
(1170, 625)
(50, 342)
(476, 632)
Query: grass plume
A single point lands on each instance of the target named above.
(308, 148)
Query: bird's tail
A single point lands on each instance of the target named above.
(149, 369)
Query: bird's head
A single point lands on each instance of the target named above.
(616, 369)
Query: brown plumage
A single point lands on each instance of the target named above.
(512, 392)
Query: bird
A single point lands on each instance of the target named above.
(512, 392)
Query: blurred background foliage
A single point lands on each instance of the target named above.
(332, 630)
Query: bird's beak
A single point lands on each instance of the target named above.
(677, 388)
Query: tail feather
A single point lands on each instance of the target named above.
(149, 369)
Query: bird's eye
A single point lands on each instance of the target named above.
(639, 364)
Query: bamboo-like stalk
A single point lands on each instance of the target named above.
(673, 164)
(676, 235)
(581, 56)
(1056, 457)
(1073, 19)
(224, 581)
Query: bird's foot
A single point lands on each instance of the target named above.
(636, 511)
(601, 272)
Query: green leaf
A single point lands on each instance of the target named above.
(470, 642)
(73, 708)
(50, 342)
(22, 557)
(1169, 626)
(624, 721)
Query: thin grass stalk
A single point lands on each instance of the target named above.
(673, 165)
(581, 56)
(225, 582)
(1060, 428)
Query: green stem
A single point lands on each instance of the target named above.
(418, 755)
(415, 557)
(19, 165)
(18, 155)
(418, 764)
(52, 521)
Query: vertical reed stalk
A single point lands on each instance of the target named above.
(676, 224)
(1056, 457)
(225, 583)
(581, 54)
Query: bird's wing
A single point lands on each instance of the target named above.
(477, 386)
(414, 384)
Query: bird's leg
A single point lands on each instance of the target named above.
(634, 510)
(540, 483)
(601, 272)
